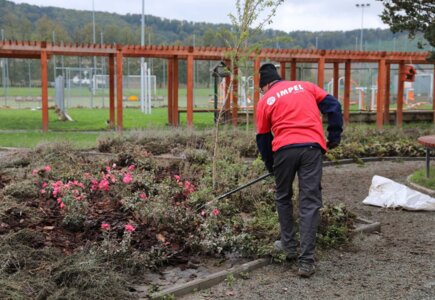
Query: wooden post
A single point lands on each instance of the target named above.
(433, 95)
(387, 94)
(190, 90)
(336, 79)
(227, 96)
(170, 80)
(346, 100)
(399, 102)
(257, 64)
(175, 93)
(112, 90)
(321, 72)
(282, 69)
(293, 69)
(234, 96)
(381, 93)
(119, 121)
(44, 88)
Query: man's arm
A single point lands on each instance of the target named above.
(264, 144)
(332, 108)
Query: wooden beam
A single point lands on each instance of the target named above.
(227, 96)
(257, 64)
(112, 91)
(387, 94)
(175, 93)
(321, 72)
(293, 69)
(433, 94)
(170, 83)
(381, 93)
(234, 96)
(190, 90)
(336, 79)
(119, 121)
(44, 90)
(346, 100)
(399, 101)
(282, 69)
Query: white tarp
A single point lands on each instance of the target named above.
(385, 192)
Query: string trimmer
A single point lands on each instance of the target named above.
(235, 190)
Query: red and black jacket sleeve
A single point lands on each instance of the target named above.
(330, 107)
(264, 136)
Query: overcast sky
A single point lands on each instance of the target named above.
(312, 15)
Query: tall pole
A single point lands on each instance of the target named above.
(142, 61)
(362, 5)
(54, 57)
(102, 67)
(5, 76)
(94, 72)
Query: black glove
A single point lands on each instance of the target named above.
(332, 144)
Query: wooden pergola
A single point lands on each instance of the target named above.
(173, 54)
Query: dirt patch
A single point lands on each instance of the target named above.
(397, 263)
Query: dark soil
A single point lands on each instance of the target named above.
(396, 263)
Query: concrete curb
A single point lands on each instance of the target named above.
(210, 280)
(420, 188)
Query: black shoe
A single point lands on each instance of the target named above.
(306, 269)
(291, 254)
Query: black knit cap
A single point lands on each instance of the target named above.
(268, 74)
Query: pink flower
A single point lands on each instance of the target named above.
(103, 185)
(108, 169)
(47, 168)
(203, 213)
(127, 178)
(94, 185)
(35, 172)
(177, 177)
(129, 228)
(143, 196)
(131, 168)
(188, 188)
(215, 211)
(114, 166)
(105, 226)
(42, 191)
(44, 185)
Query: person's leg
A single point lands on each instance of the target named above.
(284, 169)
(310, 201)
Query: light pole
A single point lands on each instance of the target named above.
(94, 71)
(144, 108)
(362, 5)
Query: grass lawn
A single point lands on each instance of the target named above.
(31, 139)
(86, 119)
(419, 177)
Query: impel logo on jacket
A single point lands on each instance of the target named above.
(271, 100)
(293, 89)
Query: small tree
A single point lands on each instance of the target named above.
(414, 16)
(250, 19)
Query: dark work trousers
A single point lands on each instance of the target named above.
(307, 163)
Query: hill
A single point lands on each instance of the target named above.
(31, 22)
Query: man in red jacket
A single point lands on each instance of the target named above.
(291, 140)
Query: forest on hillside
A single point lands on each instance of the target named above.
(31, 22)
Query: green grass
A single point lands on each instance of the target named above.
(80, 91)
(86, 119)
(31, 139)
(419, 177)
